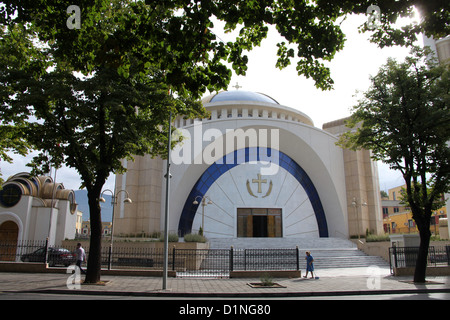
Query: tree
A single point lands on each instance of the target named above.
(434, 18)
(87, 122)
(311, 30)
(12, 124)
(439, 201)
(11, 139)
(91, 93)
(404, 119)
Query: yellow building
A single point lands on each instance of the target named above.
(86, 229)
(398, 219)
(79, 223)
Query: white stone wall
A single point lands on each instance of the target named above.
(313, 149)
(229, 192)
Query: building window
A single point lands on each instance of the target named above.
(10, 195)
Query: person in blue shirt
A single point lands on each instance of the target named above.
(309, 264)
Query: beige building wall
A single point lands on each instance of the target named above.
(350, 197)
(362, 187)
(443, 49)
(443, 52)
(143, 181)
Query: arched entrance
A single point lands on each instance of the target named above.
(260, 224)
(9, 233)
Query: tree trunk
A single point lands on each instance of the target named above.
(421, 263)
(95, 247)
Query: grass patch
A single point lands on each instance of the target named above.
(193, 237)
(377, 238)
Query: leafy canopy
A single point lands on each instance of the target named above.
(178, 35)
(404, 119)
(91, 96)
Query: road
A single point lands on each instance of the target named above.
(46, 296)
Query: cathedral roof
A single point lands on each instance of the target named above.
(256, 104)
(42, 187)
(239, 95)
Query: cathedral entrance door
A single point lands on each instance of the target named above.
(259, 222)
(260, 226)
(8, 238)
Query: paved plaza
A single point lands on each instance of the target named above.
(332, 282)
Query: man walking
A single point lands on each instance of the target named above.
(81, 257)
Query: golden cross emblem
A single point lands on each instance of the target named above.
(259, 181)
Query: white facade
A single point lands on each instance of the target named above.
(251, 155)
(26, 212)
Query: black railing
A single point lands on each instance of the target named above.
(266, 259)
(187, 262)
(220, 262)
(15, 251)
(404, 257)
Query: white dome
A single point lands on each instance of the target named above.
(239, 95)
(251, 104)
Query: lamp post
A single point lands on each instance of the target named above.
(113, 203)
(204, 204)
(166, 209)
(355, 205)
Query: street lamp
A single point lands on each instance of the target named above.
(168, 176)
(355, 205)
(113, 203)
(204, 204)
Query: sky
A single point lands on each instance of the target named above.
(350, 69)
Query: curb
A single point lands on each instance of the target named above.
(169, 294)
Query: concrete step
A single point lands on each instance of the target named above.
(327, 252)
(345, 259)
(277, 243)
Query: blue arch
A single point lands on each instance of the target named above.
(243, 156)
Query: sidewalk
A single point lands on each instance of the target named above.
(350, 281)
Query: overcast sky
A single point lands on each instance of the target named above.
(350, 70)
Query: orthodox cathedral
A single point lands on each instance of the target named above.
(253, 169)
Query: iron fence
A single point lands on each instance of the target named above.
(15, 250)
(41, 252)
(203, 262)
(186, 262)
(404, 257)
(266, 259)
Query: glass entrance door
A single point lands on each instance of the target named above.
(259, 222)
(260, 226)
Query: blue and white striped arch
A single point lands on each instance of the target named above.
(244, 156)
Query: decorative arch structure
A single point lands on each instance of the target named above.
(242, 156)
